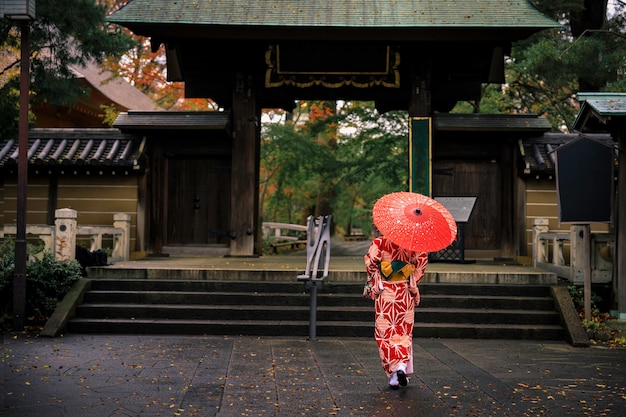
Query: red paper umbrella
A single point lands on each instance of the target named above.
(414, 221)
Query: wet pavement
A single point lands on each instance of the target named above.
(225, 376)
(125, 375)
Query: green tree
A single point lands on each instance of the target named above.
(297, 165)
(65, 33)
(285, 154)
(545, 72)
(373, 161)
(493, 100)
(587, 54)
(337, 160)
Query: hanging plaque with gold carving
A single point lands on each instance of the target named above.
(332, 66)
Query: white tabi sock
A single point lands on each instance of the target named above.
(394, 379)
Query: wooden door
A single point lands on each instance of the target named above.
(198, 200)
(480, 179)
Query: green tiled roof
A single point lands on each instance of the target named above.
(337, 13)
(597, 110)
(605, 104)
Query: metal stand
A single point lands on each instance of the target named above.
(461, 209)
(313, 307)
(317, 254)
(455, 252)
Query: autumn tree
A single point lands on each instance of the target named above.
(144, 67)
(65, 33)
(146, 70)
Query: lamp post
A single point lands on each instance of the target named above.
(22, 11)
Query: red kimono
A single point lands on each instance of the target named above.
(395, 301)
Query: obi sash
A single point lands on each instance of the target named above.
(396, 270)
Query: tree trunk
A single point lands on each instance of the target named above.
(592, 17)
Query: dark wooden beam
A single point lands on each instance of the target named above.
(620, 276)
(244, 184)
(420, 101)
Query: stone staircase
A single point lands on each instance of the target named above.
(160, 306)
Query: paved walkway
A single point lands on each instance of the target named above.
(106, 375)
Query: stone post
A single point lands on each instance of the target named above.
(539, 246)
(65, 234)
(121, 247)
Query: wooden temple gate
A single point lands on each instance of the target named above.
(416, 55)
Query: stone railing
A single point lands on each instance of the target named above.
(61, 238)
(549, 253)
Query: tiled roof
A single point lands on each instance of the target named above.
(117, 89)
(75, 147)
(599, 107)
(491, 123)
(332, 13)
(538, 153)
(164, 120)
(606, 104)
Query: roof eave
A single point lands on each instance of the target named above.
(172, 120)
(527, 124)
(176, 30)
(593, 108)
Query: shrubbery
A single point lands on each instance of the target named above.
(47, 282)
(597, 328)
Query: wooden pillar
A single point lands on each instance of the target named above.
(620, 259)
(143, 205)
(581, 261)
(420, 132)
(244, 183)
(420, 155)
(508, 174)
(157, 186)
(420, 104)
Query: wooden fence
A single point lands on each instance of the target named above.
(549, 253)
(284, 235)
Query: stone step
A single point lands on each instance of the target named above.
(297, 287)
(349, 273)
(301, 328)
(323, 299)
(282, 309)
(291, 312)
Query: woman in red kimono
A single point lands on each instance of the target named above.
(392, 277)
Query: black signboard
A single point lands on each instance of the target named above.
(584, 176)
